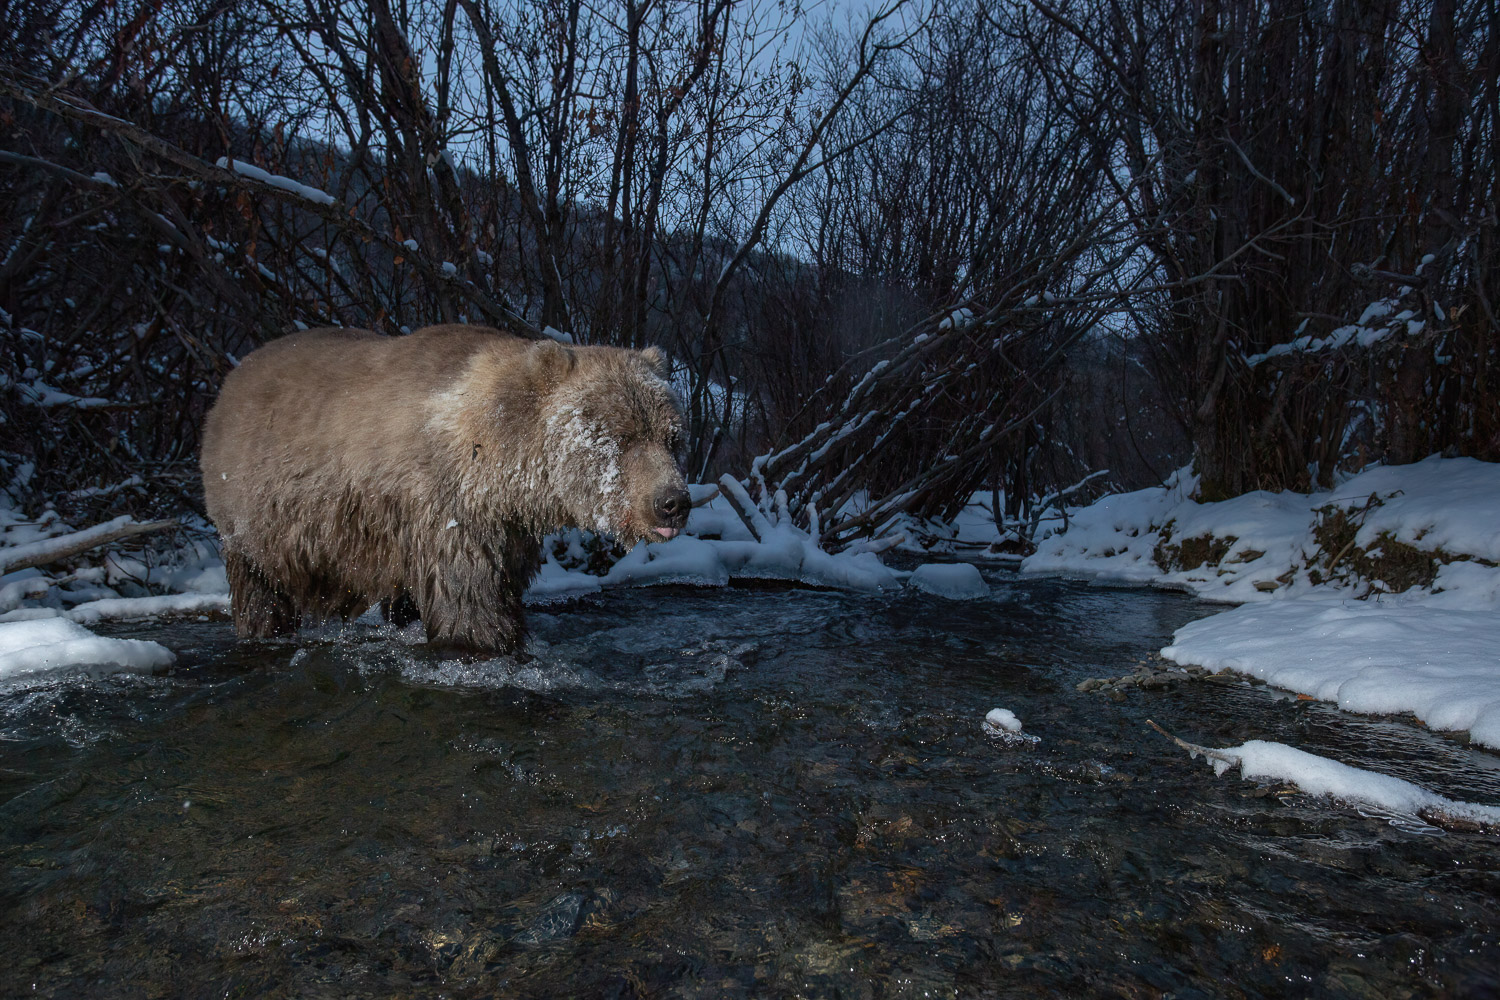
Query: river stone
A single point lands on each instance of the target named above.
(559, 918)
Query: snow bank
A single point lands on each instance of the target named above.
(1310, 621)
(1448, 504)
(1113, 539)
(1264, 545)
(714, 549)
(1442, 666)
(784, 555)
(682, 560)
(553, 583)
(1266, 533)
(57, 644)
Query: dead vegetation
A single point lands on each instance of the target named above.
(945, 253)
(1382, 564)
(1388, 565)
(1190, 553)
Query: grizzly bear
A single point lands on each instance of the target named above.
(344, 468)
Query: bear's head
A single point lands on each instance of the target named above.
(611, 427)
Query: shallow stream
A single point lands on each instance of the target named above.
(745, 793)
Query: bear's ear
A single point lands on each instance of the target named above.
(656, 361)
(550, 359)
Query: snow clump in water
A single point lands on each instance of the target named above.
(1002, 722)
(956, 581)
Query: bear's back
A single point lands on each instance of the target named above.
(321, 410)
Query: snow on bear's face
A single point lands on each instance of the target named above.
(612, 426)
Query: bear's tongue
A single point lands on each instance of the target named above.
(667, 532)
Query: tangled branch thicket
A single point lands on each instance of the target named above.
(984, 245)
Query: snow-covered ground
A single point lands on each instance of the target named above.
(1440, 665)
(1380, 596)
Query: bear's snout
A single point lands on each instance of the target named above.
(671, 508)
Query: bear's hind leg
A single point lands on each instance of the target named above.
(260, 609)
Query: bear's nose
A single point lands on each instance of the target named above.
(672, 506)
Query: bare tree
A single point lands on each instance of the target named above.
(1329, 138)
(610, 170)
(887, 254)
(987, 202)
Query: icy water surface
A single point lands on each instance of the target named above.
(719, 794)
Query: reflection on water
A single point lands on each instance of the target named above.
(718, 794)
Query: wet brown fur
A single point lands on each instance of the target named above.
(344, 468)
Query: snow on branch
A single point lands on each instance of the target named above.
(925, 421)
(263, 183)
(50, 550)
(1408, 313)
(255, 173)
(1388, 797)
(1056, 495)
(755, 522)
(918, 423)
(47, 397)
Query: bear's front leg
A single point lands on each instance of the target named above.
(471, 600)
(486, 621)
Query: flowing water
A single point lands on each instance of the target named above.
(745, 793)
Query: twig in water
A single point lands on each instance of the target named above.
(1195, 749)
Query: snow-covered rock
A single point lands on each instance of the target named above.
(956, 581)
(1002, 719)
(1003, 724)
